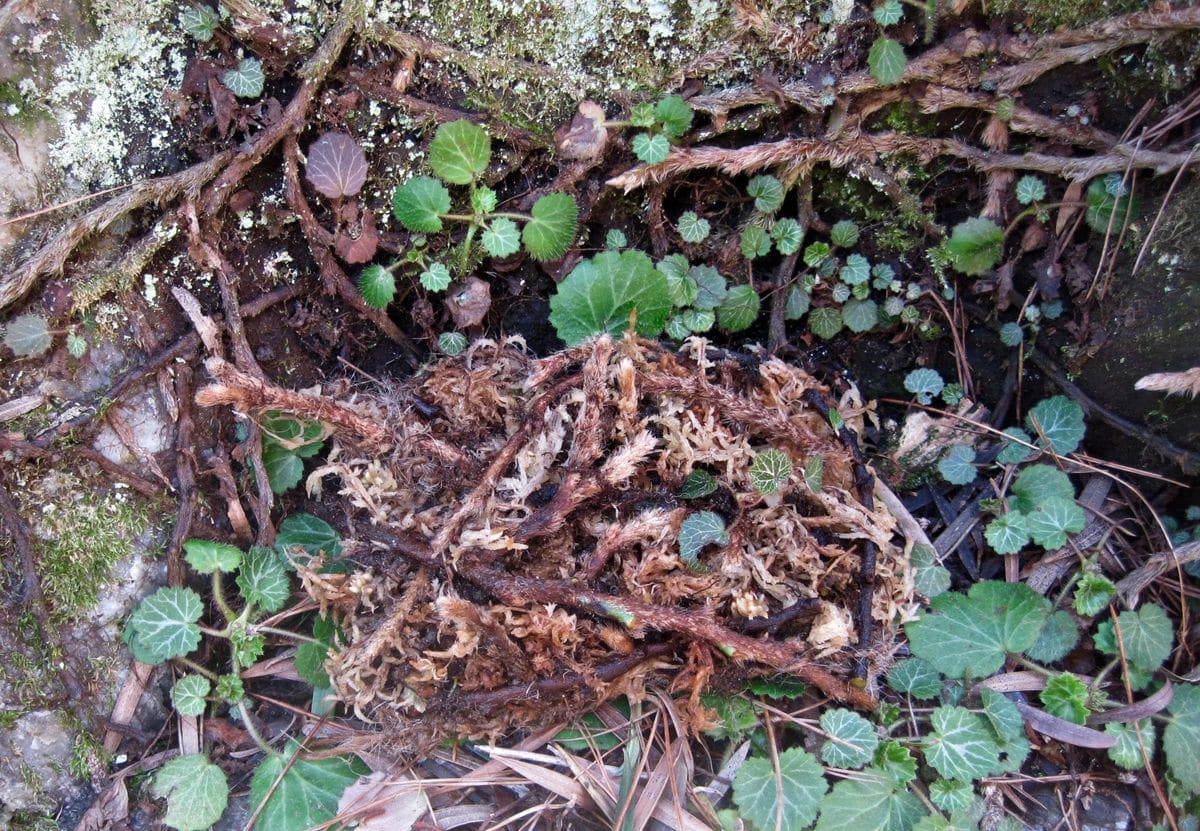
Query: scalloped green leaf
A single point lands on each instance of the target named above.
(843, 234)
(930, 577)
(312, 534)
(246, 79)
(711, 287)
(975, 245)
(1127, 752)
(924, 383)
(1147, 636)
(207, 556)
(549, 234)
(755, 242)
(1058, 637)
(950, 795)
(915, 677)
(1093, 593)
(308, 792)
(958, 465)
(851, 740)
(767, 192)
(284, 467)
(887, 61)
(483, 200)
(199, 21)
(739, 309)
(164, 626)
(699, 530)
(1038, 483)
(674, 114)
(860, 315)
(788, 235)
(888, 13)
(770, 470)
(1181, 738)
(1002, 715)
(650, 148)
(196, 792)
(501, 238)
(693, 228)
(188, 695)
(1060, 420)
(377, 285)
(798, 302)
(699, 483)
(960, 746)
(958, 638)
(871, 803)
(452, 343)
(791, 797)
(27, 335)
(698, 320)
(856, 270)
(825, 322)
(460, 152)
(1065, 696)
(1013, 453)
(436, 277)
(814, 473)
(1030, 189)
(1019, 610)
(816, 253)
(1011, 334)
(263, 579)
(1052, 520)
(419, 204)
(599, 294)
(1106, 196)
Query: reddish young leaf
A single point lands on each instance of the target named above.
(337, 166)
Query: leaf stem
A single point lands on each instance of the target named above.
(509, 215)
(195, 667)
(253, 731)
(219, 596)
(271, 630)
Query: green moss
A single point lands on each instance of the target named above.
(26, 821)
(81, 542)
(894, 228)
(26, 113)
(1045, 15)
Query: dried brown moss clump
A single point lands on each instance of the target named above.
(518, 553)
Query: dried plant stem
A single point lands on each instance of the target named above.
(865, 148)
(635, 615)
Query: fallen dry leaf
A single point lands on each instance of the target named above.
(586, 136)
(383, 802)
(468, 301)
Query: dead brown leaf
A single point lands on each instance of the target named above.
(469, 301)
(586, 136)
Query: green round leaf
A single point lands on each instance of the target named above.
(452, 343)
(1127, 752)
(27, 335)
(692, 228)
(817, 253)
(930, 577)
(975, 245)
(873, 803)
(599, 294)
(770, 470)
(76, 345)
(1038, 483)
(1013, 453)
(788, 235)
(699, 530)
(642, 115)
(680, 283)
(767, 192)
(263, 579)
(851, 739)
(1147, 636)
(1030, 189)
(924, 384)
(825, 322)
(377, 286)
(860, 315)
(856, 271)
(1065, 696)
(958, 465)
(960, 745)
(1060, 420)
(1002, 714)
(207, 556)
(756, 242)
(840, 293)
(1181, 738)
(1052, 520)
(310, 533)
(246, 80)
(187, 696)
(739, 309)
(552, 230)
(951, 795)
(793, 795)
(419, 203)
(501, 238)
(436, 277)
(1106, 196)
(483, 200)
(798, 302)
(196, 792)
(1011, 334)
(460, 152)
(1058, 637)
(308, 793)
(887, 61)
(1093, 593)
(615, 238)
(915, 677)
(651, 148)
(698, 483)
(674, 114)
(199, 21)
(888, 13)
(843, 234)
(698, 320)
(163, 626)
(676, 329)
(814, 473)
(284, 468)
(711, 287)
